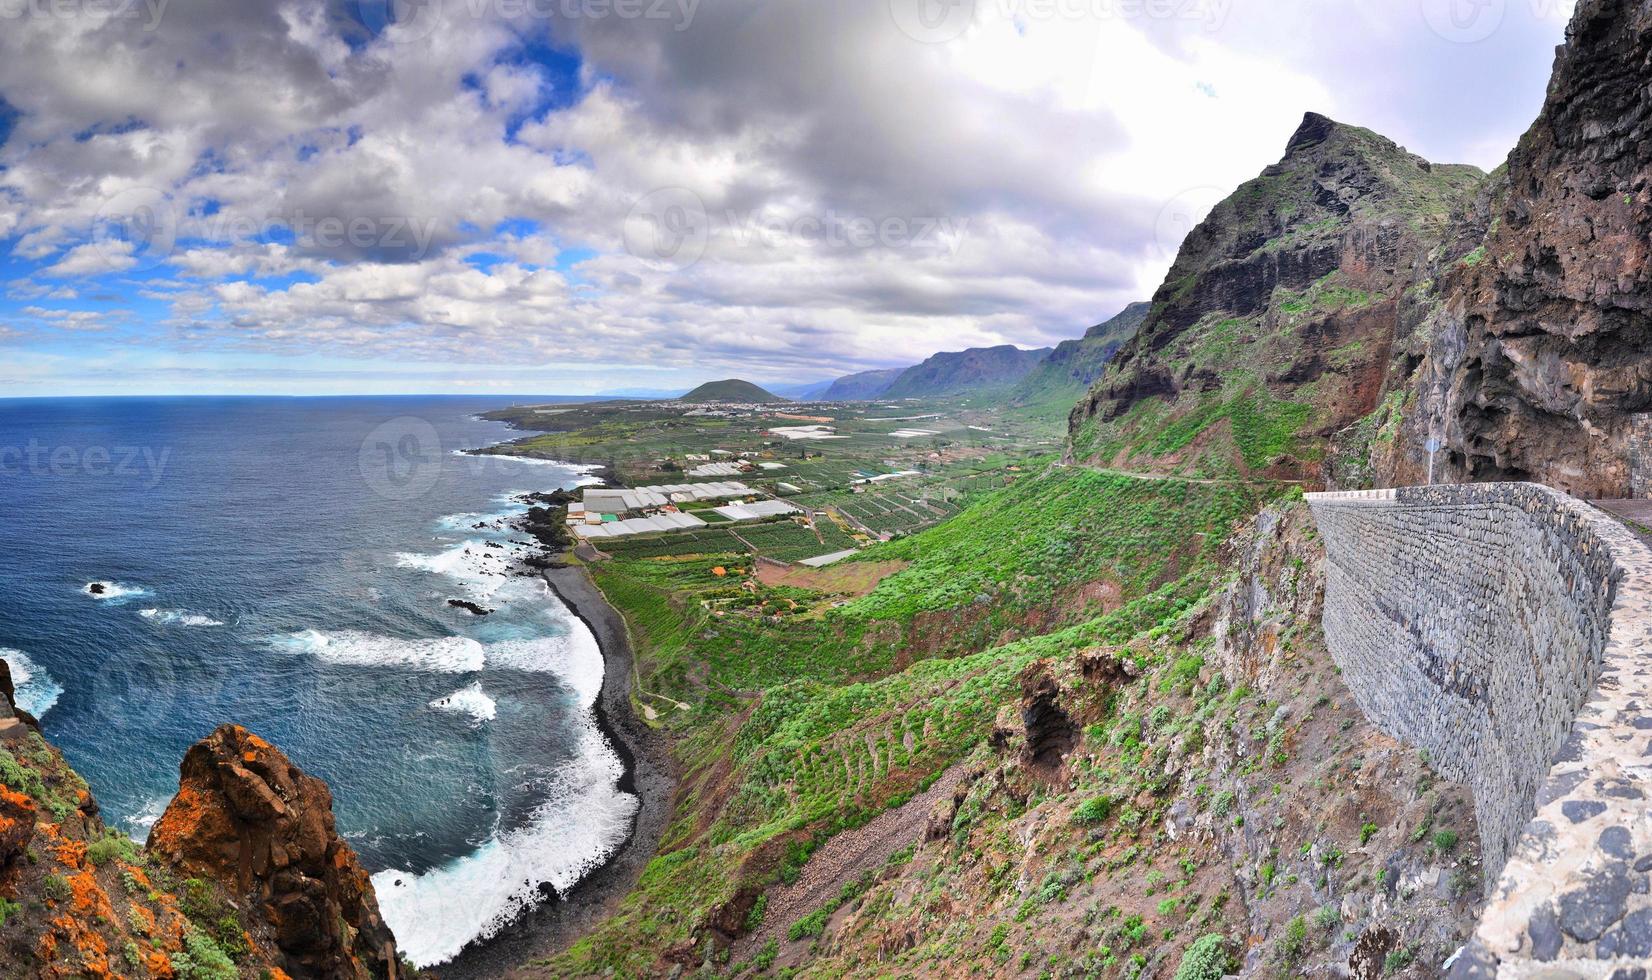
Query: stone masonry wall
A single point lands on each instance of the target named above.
(1506, 629)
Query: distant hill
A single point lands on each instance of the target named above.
(803, 392)
(966, 371)
(863, 386)
(1064, 377)
(732, 390)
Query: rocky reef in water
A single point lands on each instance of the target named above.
(244, 877)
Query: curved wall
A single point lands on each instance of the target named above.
(1506, 629)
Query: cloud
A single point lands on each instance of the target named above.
(91, 259)
(778, 187)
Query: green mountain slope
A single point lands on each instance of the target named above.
(964, 372)
(732, 390)
(1274, 327)
(863, 386)
(1062, 378)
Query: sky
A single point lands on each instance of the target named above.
(579, 196)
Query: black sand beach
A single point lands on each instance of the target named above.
(555, 924)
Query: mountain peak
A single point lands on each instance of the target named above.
(1315, 129)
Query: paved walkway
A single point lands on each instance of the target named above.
(1635, 515)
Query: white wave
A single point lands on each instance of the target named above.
(37, 692)
(472, 701)
(583, 820)
(575, 659)
(113, 591)
(481, 570)
(352, 648)
(177, 617)
(139, 824)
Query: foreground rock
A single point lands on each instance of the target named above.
(247, 817)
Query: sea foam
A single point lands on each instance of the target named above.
(352, 648)
(37, 692)
(584, 819)
(113, 592)
(177, 617)
(472, 701)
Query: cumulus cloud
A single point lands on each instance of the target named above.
(784, 188)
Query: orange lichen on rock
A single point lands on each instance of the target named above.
(17, 822)
(158, 964)
(72, 853)
(89, 896)
(248, 818)
(91, 950)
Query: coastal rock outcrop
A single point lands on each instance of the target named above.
(246, 816)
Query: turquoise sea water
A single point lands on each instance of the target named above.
(285, 564)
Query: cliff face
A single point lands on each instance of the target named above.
(965, 371)
(247, 817)
(1074, 365)
(1540, 348)
(1274, 327)
(862, 386)
(245, 877)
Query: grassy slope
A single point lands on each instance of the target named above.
(814, 722)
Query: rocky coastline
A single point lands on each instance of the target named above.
(645, 754)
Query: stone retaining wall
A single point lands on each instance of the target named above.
(1506, 630)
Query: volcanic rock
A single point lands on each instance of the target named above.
(245, 816)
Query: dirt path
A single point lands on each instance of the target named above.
(845, 858)
(1163, 477)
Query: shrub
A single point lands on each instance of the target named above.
(1094, 810)
(1366, 833)
(1445, 841)
(809, 926)
(111, 846)
(201, 959)
(1296, 938)
(1206, 959)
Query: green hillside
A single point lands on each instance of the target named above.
(732, 390)
(1061, 379)
(963, 372)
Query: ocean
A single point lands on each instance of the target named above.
(286, 564)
